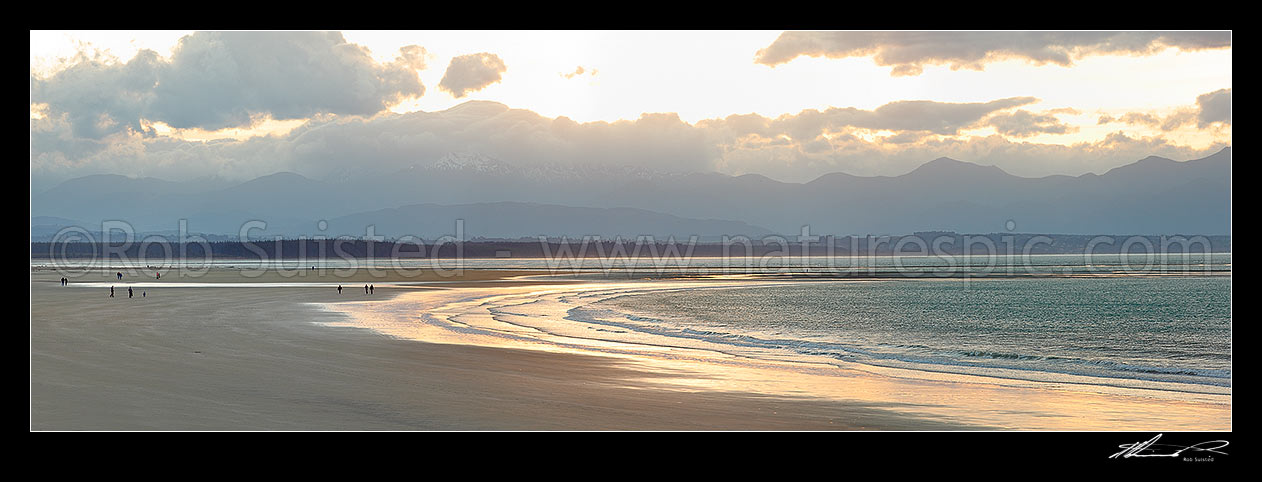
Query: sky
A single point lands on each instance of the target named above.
(787, 105)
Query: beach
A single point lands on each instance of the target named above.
(286, 351)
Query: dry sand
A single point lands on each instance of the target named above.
(261, 358)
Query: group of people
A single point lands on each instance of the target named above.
(156, 275)
(368, 289)
(130, 293)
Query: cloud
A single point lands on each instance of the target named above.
(217, 80)
(390, 142)
(936, 117)
(795, 147)
(1211, 108)
(97, 99)
(909, 52)
(924, 116)
(471, 73)
(413, 56)
(901, 153)
(1024, 123)
(579, 71)
(1132, 118)
(904, 138)
(806, 145)
(1214, 107)
(1064, 110)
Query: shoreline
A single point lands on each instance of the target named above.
(267, 360)
(1149, 408)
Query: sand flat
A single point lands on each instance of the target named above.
(270, 358)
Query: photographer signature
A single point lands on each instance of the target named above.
(1136, 449)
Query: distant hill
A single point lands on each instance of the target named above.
(43, 227)
(1151, 196)
(514, 219)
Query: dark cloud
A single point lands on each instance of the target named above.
(909, 52)
(225, 79)
(1024, 123)
(1178, 119)
(390, 142)
(98, 99)
(471, 73)
(217, 80)
(1214, 107)
(935, 117)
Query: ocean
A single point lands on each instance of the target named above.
(1171, 329)
(1146, 322)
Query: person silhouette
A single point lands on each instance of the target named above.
(120, 275)
(128, 292)
(339, 289)
(370, 289)
(111, 292)
(365, 289)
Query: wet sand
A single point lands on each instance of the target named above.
(268, 358)
(260, 359)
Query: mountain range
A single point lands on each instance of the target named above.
(505, 200)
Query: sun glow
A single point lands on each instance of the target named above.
(265, 127)
(704, 76)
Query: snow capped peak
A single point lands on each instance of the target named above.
(468, 161)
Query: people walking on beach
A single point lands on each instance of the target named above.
(370, 289)
(365, 289)
(144, 294)
(120, 275)
(158, 275)
(63, 281)
(111, 292)
(129, 292)
(339, 289)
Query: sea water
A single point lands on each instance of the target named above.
(1104, 319)
(1166, 329)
